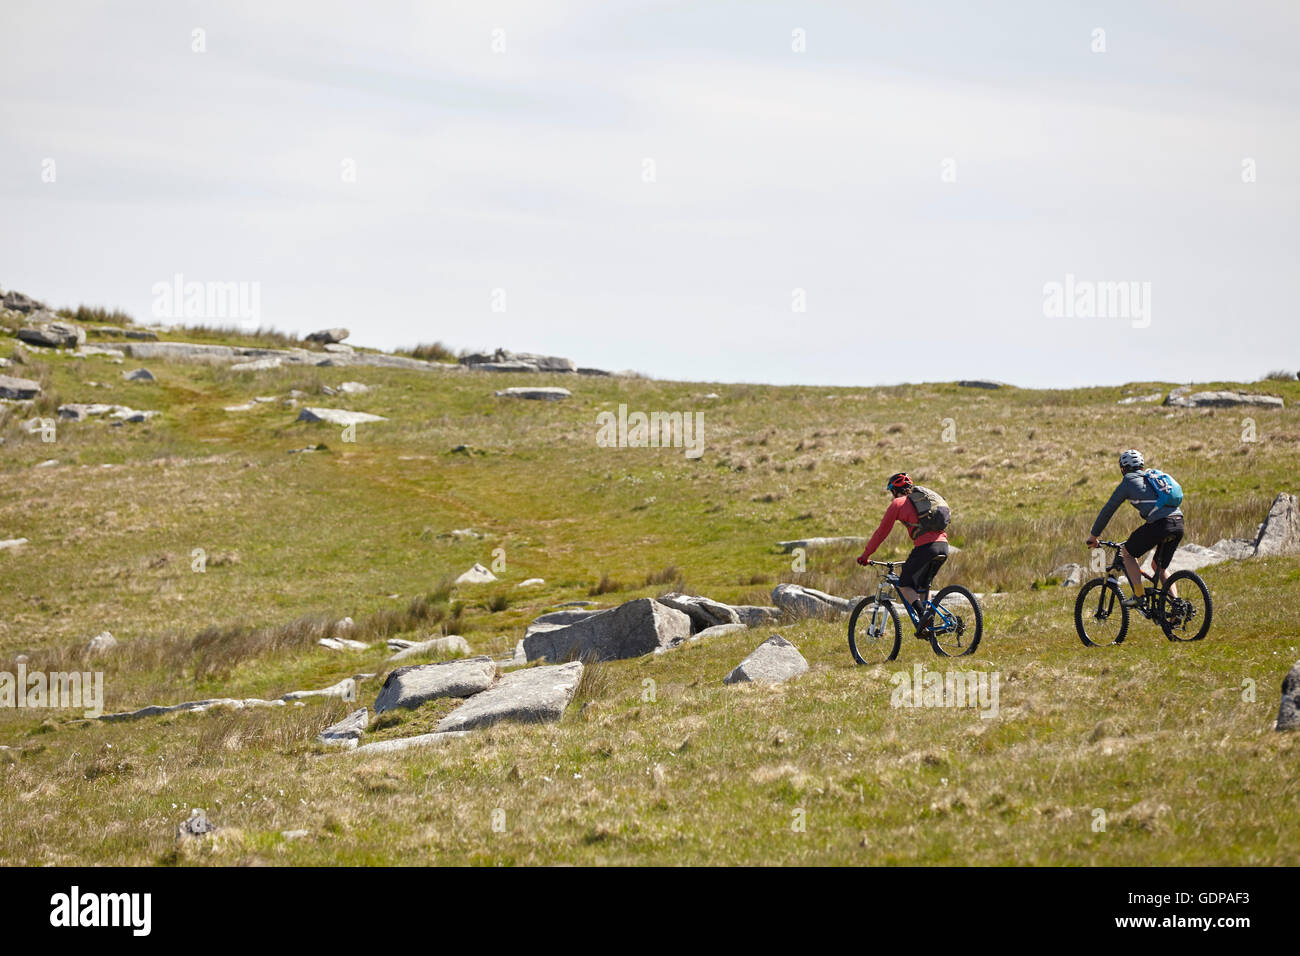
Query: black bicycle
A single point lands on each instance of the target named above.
(1101, 616)
(876, 630)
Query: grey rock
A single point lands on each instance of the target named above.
(328, 336)
(1184, 397)
(753, 615)
(182, 352)
(451, 644)
(197, 825)
(347, 732)
(773, 661)
(10, 544)
(142, 335)
(257, 365)
(17, 302)
(1193, 557)
(18, 388)
(808, 602)
(477, 575)
(1280, 533)
(345, 689)
(568, 617)
(1288, 714)
(1234, 549)
(630, 630)
(981, 383)
(353, 388)
(410, 743)
(412, 686)
(338, 348)
(505, 367)
(718, 630)
(1070, 575)
(342, 644)
(80, 411)
(1141, 399)
(139, 375)
(594, 371)
(539, 394)
(101, 643)
(809, 544)
(53, 335)
(530, 695)
(702, 611)
(337, 416)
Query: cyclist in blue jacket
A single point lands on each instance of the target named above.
(1163, 528)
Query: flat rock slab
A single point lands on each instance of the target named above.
(337, 416)
(1141, 399)
(410, 743)
(540, 394)
(532, 695)
(773, 661)
(193, 706)
(1234, 549)
(347, 732)
(810, 544)
(18, 388)
(1192, 557)
(718, 630)
(342, 644)
(412, 686)
(1070, 575)
(633, 629)
(981, 383)
(1185, 398)
(451, 644)
(1280, 533)
(1288, 714)
(808, 602)
(703, 612)
(345, 689)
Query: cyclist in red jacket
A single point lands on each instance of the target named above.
(920, 567)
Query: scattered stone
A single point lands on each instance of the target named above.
(773, 661)
(718, 630)
(12, 543)
(630, 630)
(451, 644)
(246, 407)
(531, 583)
(347, 732)
(1184, 397)
(1070, 575)
(337, 416)
(101, 642)
(328, 336)
(809, 544)
(1288, 714)
(139, 375)
(539, 393)
(353, 388)
(342, 644)
(1280, 532)
(410, 743)
(18, 388)
(346, 689)
(702, 611)
(753, 615)
(477, 575)
(293, 834)
(197, 825)
(1141, 399)
(530, 695)
(808, 602)
(412, 686)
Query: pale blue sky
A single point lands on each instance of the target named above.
(776, 170)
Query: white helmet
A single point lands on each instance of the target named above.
(1131, 460)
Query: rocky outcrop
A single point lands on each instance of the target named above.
(17, 302)
(754, 615)
(1141, 399)
(410, 687)
(18, 388)
(530, 695)
(702, 611)
(328, 336)
(1280, 533)
(718, 630)
(633, 629)
(1184, 397)
(347, 732)
(53, 335)
(773, 661)
(505, 361)
(1288, 713)
(800, 601)
(537, 394)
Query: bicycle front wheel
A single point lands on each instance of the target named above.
(958, 622)
(1100, 616)
(1186, 617)
(875, 633)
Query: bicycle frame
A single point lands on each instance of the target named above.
(941, 621)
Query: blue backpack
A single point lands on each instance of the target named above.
(1169, 493)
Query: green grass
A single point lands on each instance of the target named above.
(702, 773)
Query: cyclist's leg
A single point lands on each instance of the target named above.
(1139, 543)
(907, 583)
(1164, 552)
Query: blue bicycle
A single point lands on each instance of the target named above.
(955, 624)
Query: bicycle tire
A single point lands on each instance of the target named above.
(874, 648)
(1171, 631)
(1116, 603)
(943, 650)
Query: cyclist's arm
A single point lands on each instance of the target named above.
(1117, 498)
(886, 524)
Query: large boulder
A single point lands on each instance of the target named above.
(530, 695)
(347, 732)
(773, 661)
(633, 629)
(328, 336)
(17, 302)
(412, 686)
(1288, 714)
(18, 388)
(702, 611)
(1280, 533)
(337, 416)
(53, 335)
(808, 602)
(755, 615)
(1184, 397)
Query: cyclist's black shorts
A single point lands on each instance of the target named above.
(920, 567)
(1164, 535)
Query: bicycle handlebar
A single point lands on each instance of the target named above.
(884, 564)
(1110, 544)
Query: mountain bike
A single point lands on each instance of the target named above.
(1101, 618)
(876, 630)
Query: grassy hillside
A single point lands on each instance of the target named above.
(1156, 735)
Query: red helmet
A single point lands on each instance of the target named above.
(899, 484)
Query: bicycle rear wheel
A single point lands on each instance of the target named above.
(958, 622)
(875, 633)
(1186, 617)
(1100, 616)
